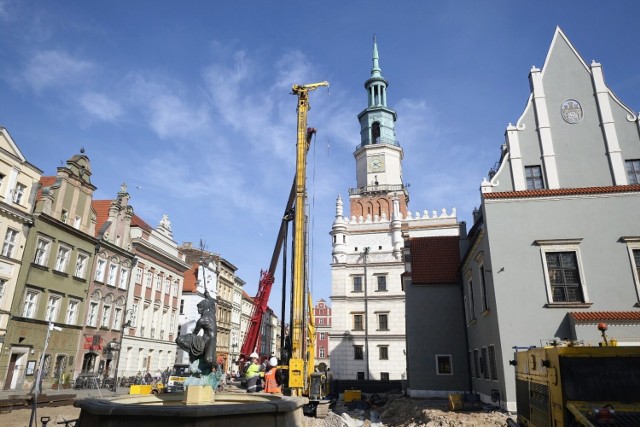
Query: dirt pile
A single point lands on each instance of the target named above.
(401, 411)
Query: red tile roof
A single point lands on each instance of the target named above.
(136, 221)
(606, 316)
(246, 296)
(102, 212)
(435, 260)
(45, 181)
(562, 192)
(190, 283)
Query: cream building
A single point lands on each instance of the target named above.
(18, 185)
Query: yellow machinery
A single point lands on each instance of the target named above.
(572, 385)
(302, 380)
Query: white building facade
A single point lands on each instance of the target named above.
(368, 332)
(148, 344)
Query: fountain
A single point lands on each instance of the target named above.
(199, 405)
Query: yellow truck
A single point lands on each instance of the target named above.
(573, 385)
(175, 383)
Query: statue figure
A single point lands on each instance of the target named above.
(202, 348)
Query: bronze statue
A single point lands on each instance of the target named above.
(202, 348)
(202, 345)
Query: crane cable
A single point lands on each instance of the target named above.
(311, 210)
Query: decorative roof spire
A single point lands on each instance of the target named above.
(375, 71)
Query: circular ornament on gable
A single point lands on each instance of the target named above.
(572, 111)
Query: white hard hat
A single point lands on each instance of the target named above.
(273, 361)
(254, 355)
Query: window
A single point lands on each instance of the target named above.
(106, 316)
(383, 322)
(92, 317)
(358, 324)
(321, 352)
(30, 303)
(358, 353)
(321, 335)
(1, 178)
(117, 318)
(64, 217)
(384, 376)
(357, 283)
(633, 171)
(100, 269)
(158, 282)
(42, 251)
(181, 306)
(134, 312)
(9, 243)
(471, 367)
(564, 277)
(360, 376)
(72, 312)
(382, 283)
(172, 325)
(113, 272)
(443, 364)
(18, 193)
(471, 300)
(62, 259)
(476, 362)
(149, 277)
(383, 352)
(81, 265)
(483, 364)
(53, 306)
(636, 260)
(138, 275)
(483, 284)
(76, 222)
(3, 286)
(493, 368)
(124, 276)
(533, 175)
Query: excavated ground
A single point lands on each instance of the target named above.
(408, 412)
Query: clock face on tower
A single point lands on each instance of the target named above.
(376, 163)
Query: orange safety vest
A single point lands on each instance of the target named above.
(271, 385)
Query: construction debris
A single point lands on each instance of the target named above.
(390, 410)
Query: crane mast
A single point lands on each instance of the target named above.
(298, 370)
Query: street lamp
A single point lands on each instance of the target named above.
(38, 386)
(117, 346)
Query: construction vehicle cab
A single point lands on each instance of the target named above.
(573, 385)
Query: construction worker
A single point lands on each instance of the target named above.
(253, 374)
(272, 383)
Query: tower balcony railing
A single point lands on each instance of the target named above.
(380, 140)
(385, 188)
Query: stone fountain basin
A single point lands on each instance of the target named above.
(169, 410)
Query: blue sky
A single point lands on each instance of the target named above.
(190, 100)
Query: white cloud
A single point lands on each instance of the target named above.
(169, 111)
(101, 107)
(54, 68)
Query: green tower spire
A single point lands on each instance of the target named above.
(375, 71)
